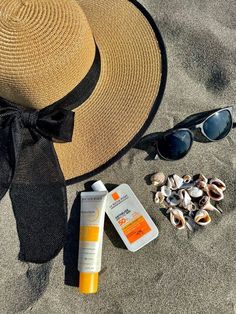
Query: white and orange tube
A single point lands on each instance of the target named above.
(92, 217)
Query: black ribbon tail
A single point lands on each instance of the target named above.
(6, 172)
(39, 199)
(30, 170)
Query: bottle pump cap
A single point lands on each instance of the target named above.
(99, 186)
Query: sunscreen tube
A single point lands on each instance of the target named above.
(128, 216)
(91, 237)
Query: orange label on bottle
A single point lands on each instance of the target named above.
(115, 196)
(136, 229)
(89, 233)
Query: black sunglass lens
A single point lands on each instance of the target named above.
(218, 126)
(175, 145)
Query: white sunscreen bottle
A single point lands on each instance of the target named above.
(128, 216)
(91, 237)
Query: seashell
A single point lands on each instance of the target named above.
(191, 207)
(165, 190)
(158, 179)
(178, 182)
(202, 217)
(204, 200)
(177, 218)
(173, 199)
(195, 192)
(185, 199)
(159, 198)
(205, 204)
(201, 177)
(214, 192)
(200, 184)
(187, 178)
(170, 182)
(220, 184)
(210, 207)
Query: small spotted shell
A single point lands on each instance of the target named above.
(158, 179)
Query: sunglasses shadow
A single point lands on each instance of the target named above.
(148, 144)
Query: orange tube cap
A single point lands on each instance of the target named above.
(88, 283)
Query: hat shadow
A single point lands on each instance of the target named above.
(71, 248)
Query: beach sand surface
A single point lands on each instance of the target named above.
(180, 272)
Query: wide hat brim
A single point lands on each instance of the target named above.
(128, 92)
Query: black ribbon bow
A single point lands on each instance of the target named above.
(30, 170)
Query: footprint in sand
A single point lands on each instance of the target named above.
(201, 54)
(23, 291)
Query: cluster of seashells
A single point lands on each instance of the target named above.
(188, 199)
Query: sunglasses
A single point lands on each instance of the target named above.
(174, 144)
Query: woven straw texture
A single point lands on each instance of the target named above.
(46, 49)
(54, 39)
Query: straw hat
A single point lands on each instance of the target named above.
(104, 57)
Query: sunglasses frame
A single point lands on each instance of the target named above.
(200, 125)
(195, 127)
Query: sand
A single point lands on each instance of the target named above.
(181, 272)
